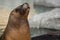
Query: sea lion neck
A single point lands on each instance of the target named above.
(17, 23)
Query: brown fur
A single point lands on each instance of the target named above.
(18, 26)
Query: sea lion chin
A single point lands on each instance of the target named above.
(18, 26)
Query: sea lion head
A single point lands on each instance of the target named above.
(21, 11)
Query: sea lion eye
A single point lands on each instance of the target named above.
(17, 9)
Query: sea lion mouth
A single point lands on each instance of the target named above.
(23, 8)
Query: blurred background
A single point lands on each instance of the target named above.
(44, 17)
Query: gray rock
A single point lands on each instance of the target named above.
(45, 23)
(49, 19)
(49, 3)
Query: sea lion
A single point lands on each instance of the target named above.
(18, 26)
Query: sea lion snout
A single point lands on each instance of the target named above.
(23, 9)
(26, 6)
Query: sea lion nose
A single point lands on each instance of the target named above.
(25, 6)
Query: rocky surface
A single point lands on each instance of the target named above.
(49, 3)
(46, 22)
(49, 19)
